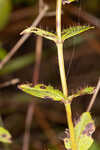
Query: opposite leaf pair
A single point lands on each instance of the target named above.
(84, 126)
(66, 33)
(48, 92)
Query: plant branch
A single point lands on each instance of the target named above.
(62, 73)
(23, 38)
(8, 83)
(94, 96)
(30, 111)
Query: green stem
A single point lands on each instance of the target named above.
(61, 68)
(62, 73)
(58, 18)
(70, 125)
(65, 91)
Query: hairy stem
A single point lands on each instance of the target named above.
(62, 73)
(61, 68)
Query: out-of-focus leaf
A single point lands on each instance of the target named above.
(5, 9)
(5, 136)
(18, 63)
(95, 146)
(42, 91)
(72, 31)
(2, 53)
(84, 129)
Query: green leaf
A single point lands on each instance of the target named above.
(83, 125)
(42, 91)
(85, 142)
(3, 53)
(41, 32)
(84, 129)
(72, 31)
(87, 90)
(17, 63)
(5, 10)
(95, 146)
(5, 136)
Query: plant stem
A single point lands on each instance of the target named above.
(61, 68)
(70, 125)
(60, 48)
(58, 18)
(62, 73)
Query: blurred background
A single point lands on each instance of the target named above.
(37, 124)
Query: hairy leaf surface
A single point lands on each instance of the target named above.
(43, 91)
(72, 31)
(84, 129)
(84, 91)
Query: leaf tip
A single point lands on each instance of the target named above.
(5, 136)
(21, 86)
(26, 31)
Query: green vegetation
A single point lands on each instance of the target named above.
(80, 135)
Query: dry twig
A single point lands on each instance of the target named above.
(23, 38)
(94, 96)
(30, 111)
(8, 83)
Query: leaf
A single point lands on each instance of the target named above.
(95, 146)
(41, 32)
(5, 136)
(50, 93)
(72, 31)
(42, 91)
(84, 129)
(17, 63)
(85, 125)
(85, 142)
(2, 53)
(87, 90)
(5, 10)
